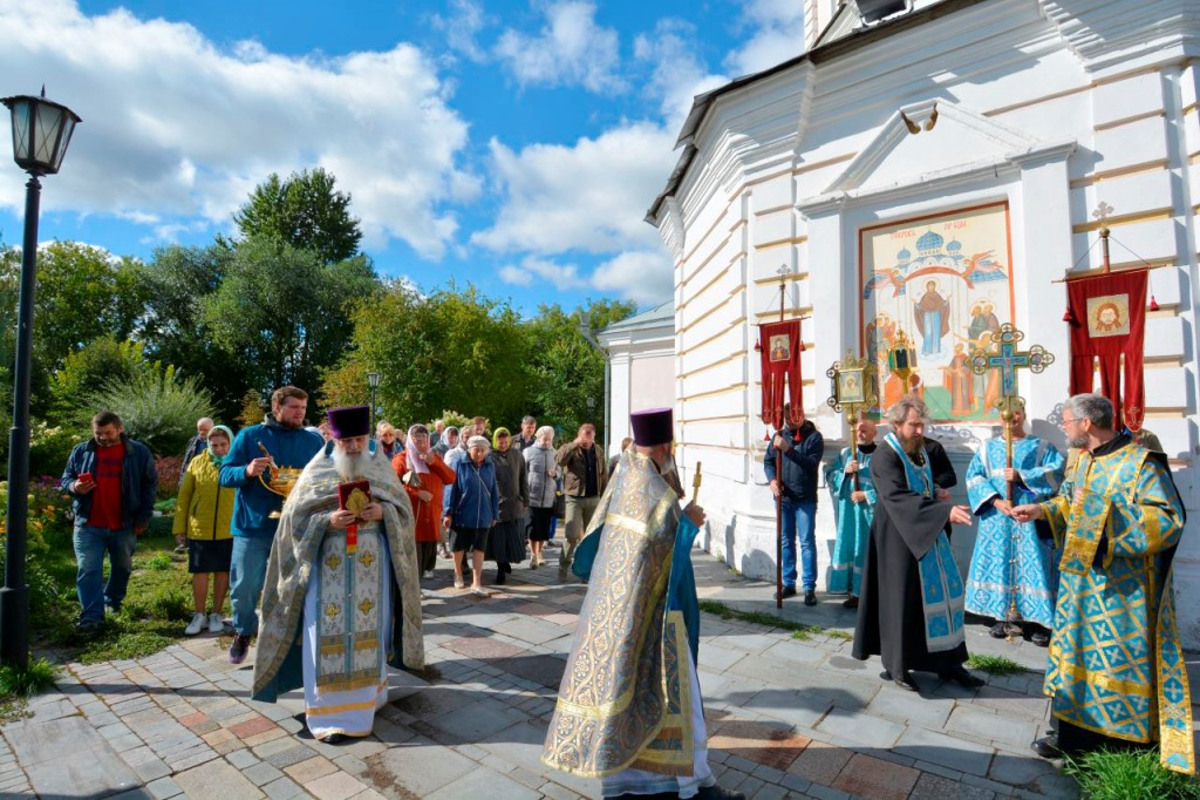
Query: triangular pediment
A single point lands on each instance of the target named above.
(932, 138)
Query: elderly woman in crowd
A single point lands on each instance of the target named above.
(542, 474)
(204, 511)
(385, 434)
(472, 508)
(424, 476)
(506, 542)
(447, 448)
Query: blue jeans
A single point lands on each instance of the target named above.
(247, 572)
(800, 518)
(90, 545)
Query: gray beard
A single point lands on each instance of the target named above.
(348, 467)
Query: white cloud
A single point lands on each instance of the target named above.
(177, 127)
(677, 74)
(778, 34)
(534, 270)
(590, 196)
(642, 276)
(461, 27)
(570, 50)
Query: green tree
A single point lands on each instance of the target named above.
(304, 211)
(451, 349)
(175, 329)
(286, 313)
(83, 292)
(565, 369)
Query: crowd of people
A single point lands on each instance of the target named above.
(1069, 553)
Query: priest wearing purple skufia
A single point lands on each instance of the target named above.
(328, 602)
(629, 709)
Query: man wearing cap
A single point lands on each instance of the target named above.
(280, 441)
(338, 552)
(629, 710)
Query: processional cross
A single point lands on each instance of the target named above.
(1008, 359)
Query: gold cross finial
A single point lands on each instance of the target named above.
(1102, 212)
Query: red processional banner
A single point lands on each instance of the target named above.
(781, 346)
(1107, 314)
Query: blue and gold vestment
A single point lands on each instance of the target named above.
(625, 701)
(1008, 552)
(1115, 661)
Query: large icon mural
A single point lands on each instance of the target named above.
(945, 282)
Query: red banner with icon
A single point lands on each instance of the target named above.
(781, 346)
(1107, 314)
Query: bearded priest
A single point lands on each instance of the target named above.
(345, 537)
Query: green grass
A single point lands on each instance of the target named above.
(22, 683)
(994, 665)
(157, 605)
(800, 630)
(1110, 775)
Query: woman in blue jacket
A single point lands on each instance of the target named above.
(472, 508)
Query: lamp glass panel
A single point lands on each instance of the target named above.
(51, 134)
(21, 120)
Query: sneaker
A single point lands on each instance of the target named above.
(216, 623)
(196, 625)
(810, 598)
(481, 593)
(237, 650)
(458, 583)
(788, 591)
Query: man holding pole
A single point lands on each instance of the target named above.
(850, 483)
(798, 448)
(1013, 576)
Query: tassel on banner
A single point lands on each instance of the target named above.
(1069, 316)
(1153, 303)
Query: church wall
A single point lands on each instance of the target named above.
(1124, 129)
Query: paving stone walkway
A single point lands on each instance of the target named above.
(787, 717)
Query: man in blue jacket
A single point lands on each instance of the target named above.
(112, 480)
(802, 448)
(283, 436)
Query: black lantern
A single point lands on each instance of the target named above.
(41, 132)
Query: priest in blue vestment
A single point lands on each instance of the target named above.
(850, 483)
(629, 710)
(910, 612)
(1115, 673)
(1010, 563)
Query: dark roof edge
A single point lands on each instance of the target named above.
(826, 52)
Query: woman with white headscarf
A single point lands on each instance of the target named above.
(424, 476)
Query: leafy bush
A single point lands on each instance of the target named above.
(98, 362)
(49, 447)
(158, 410)
(169, 469)
(38, 677)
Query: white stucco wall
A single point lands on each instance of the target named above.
(1049, 107)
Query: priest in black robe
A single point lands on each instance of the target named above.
(911, 608)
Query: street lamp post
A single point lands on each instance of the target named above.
(373, 382)
(41, 132)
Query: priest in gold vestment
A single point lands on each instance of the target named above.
(1116, 671)
(629, 710)
(327, 603)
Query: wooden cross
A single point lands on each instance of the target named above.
(1009, 359)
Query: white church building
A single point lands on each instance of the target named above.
(970, 139)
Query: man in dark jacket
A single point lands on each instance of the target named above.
(112, 480)
(801, 448)
(584, 476)
(287, 444)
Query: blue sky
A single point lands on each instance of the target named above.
(515, 144)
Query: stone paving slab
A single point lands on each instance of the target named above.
(787, 717)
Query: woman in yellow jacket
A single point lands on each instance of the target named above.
(204, 512)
